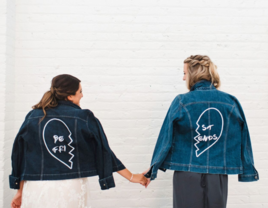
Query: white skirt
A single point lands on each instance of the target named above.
(72, 193)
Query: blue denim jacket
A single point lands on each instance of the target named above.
(68, 143)
(205, 131)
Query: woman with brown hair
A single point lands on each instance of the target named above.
(204, 138)
(57, 147)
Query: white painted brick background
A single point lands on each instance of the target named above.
(129, 55)
(7, 63)
(2, 93)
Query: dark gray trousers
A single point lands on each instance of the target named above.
(198, 190)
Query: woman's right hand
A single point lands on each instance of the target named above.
(16, 201)
(139, 178)
(149, 180)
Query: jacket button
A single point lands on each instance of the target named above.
(256, 177)
(103, 184)
(16, 183)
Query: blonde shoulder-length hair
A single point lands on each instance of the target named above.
(201, 68)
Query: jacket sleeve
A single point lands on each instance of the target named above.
(106, 160)
(117, 164)
(249, 171)
(164, 140)
(17, 156)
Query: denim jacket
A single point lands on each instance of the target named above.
(68, 143)
(205, 131)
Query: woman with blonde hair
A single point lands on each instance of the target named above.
(204, 138)
(57, 147)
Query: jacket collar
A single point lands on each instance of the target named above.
(203, 85)
(66, 102)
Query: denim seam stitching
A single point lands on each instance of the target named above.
(179, 110)
(207, 102)
(60, 173)
(203, 88)
(118, 166)
(244, 176)
(191, 155)
(77, 151)
(42, 162)
(225, 141)
(24, 169)
(106, 178)
(58, 116)
(201, 166)
(208, 143)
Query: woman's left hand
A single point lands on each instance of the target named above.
(16, 201)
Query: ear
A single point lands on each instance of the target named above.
(70, 97)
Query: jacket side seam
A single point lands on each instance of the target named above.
(191, 155)
(179, 110)
(225, 141)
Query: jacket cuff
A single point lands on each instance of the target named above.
(248, 178)
(107, 183)
(163, 169)
(150, 174)
(14, 182)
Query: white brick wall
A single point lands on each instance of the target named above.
(2, 93)
(129, 55)
(10, 113)
(7, 63)
(3, 64)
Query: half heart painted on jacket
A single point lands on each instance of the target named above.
(211, 121)
(58, 142)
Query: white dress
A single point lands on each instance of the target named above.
(72, 193)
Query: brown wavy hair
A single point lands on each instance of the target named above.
(201, 68)
(62, 86)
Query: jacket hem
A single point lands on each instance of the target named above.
(202, 169)
(60, 176)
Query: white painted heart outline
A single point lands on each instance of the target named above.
(69, 144)
(198, 134)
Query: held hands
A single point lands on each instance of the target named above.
(139, 178)
(148, 179)
(135, 178)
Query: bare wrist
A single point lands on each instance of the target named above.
(19, 192)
